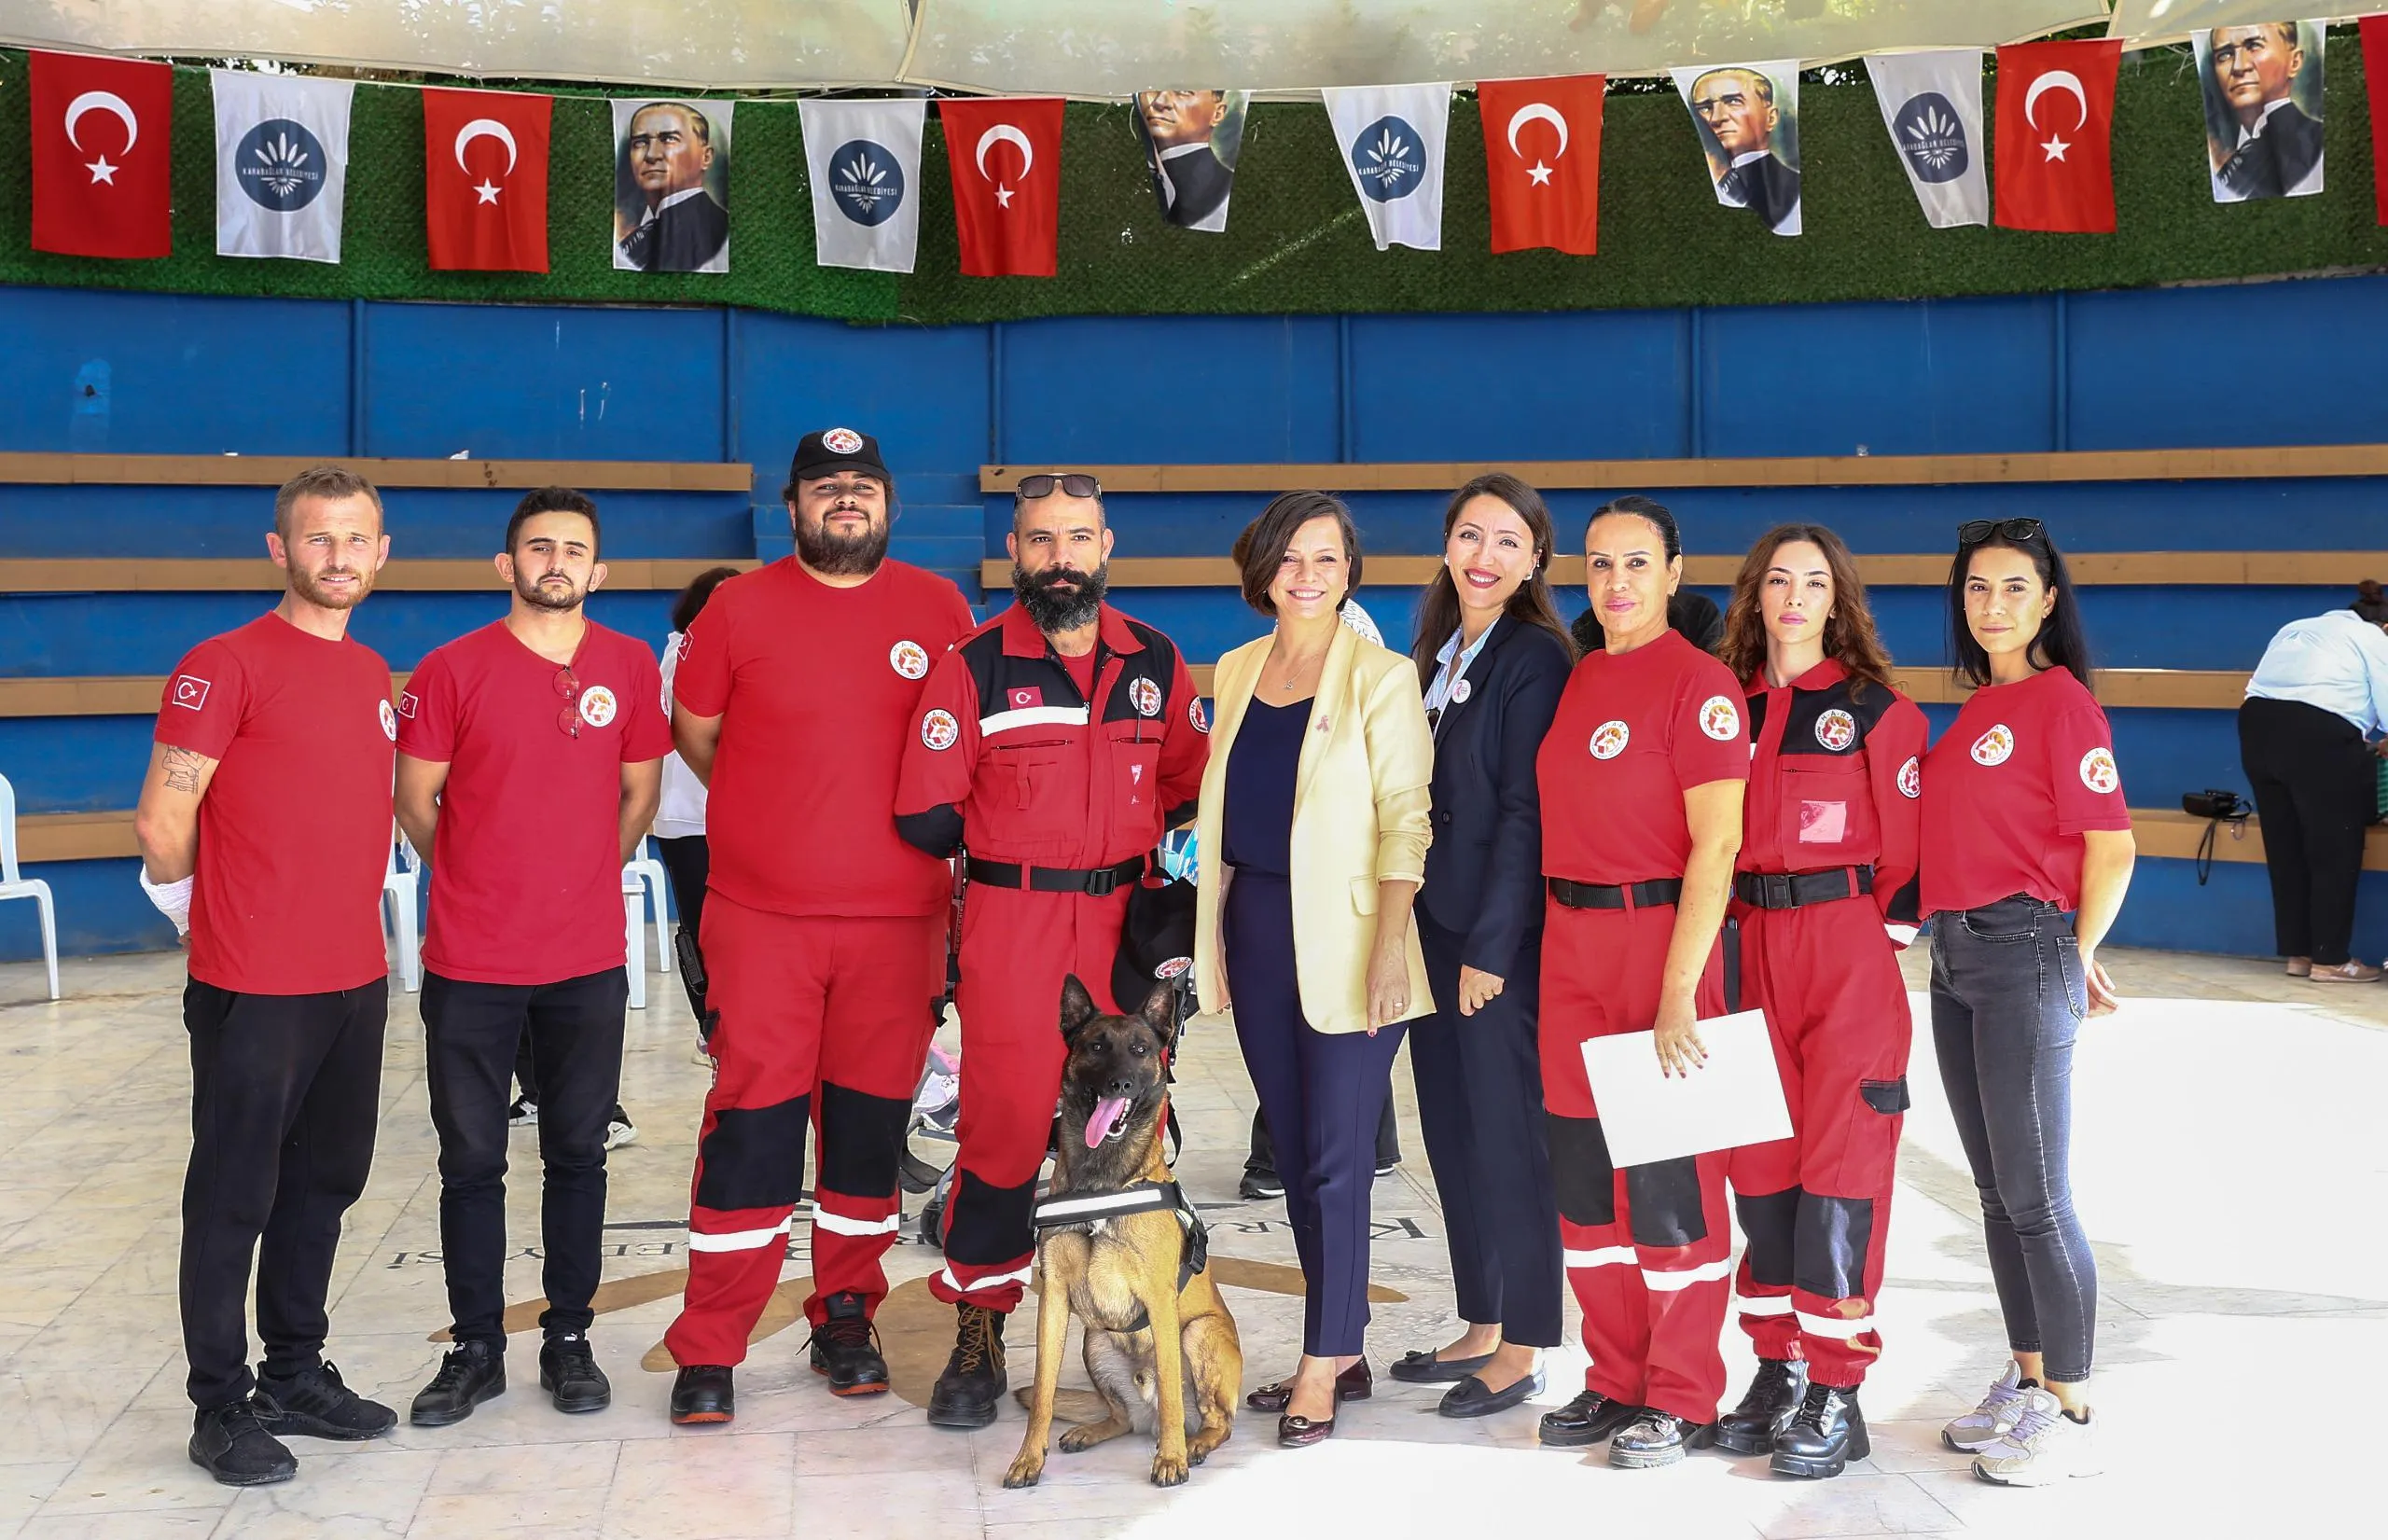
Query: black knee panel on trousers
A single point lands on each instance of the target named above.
(1836, 1235)
(862, 1141)
(754, 1157)
(985, 1225)
(1769, 1219)
(1581, 1171)
(1665, 1196)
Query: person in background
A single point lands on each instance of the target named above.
(2029, 854)
(680, 820)
(2321, 690)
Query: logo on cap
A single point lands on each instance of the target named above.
(1172, 968)
(1718, 718)
(1992, 747)
(842, 440)
(1836, 730)
(389, 719)
(908, 658)
(597, 706)
(1146, 697)
(1610, 737)
(190, 690)
(939, 731)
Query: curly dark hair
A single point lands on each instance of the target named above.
(1850, 637)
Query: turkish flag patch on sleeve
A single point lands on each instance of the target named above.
(190, 691)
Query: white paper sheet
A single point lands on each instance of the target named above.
(1735, 1098)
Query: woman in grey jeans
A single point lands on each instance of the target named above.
(2027, 855)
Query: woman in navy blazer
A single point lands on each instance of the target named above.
(1492, 658)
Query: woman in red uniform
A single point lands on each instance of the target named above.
(1825, 895)
(2030, 853)
(1641, 786)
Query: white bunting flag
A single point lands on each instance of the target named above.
(1932, 105)
(864, 163)
(281, 164)
(1393, 139)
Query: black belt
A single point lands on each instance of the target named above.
(1594, 896)
(1777, 890)
(1098, 883)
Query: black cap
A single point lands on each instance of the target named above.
(1156, 942)
(833, 450)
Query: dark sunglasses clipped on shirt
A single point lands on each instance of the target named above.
(1973, 531)
(1072, 484)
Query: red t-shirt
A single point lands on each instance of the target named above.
(2024, 771)
(526, 871)
(1633, 733)
(294, 833)
(816, 688)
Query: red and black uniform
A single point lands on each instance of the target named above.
(1647, 1249)
(1824, 895)
(1060, 775)
(290, 983)
(824, 935)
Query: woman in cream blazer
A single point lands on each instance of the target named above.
(1314, 826)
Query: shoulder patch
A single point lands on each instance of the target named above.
(389, 719)
(1719, 718)
(1196, 718)
(939, 731)
(1911, 778)
(2098, 772)
(190, 691)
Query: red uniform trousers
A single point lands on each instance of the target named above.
(1648, 1249)
(1017, 947)
(1816, 1206)
(823, 1021)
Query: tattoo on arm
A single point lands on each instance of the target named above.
(181, 771)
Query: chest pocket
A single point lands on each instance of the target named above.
(1135, 767)
(1827, 810)
(1021, 776)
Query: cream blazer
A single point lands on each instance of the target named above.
(1361, 801)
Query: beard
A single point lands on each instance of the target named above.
(1055, 608)
(840, 555)
(550, 596)
(307, 586)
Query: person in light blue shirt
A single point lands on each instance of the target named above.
(2319, 693)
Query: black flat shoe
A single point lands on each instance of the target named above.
(1421, 1367)
(1587, 1419)
(1470, 1399)
(703, 1392)
(1356, 1383)
(1300, 1433)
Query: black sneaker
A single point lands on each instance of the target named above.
(230, 1445)
(703, 1392)
(470, 1374)
(1824, 1435)
(315, 1403)
(845, 1349)
(973, 1382)
(1773, 1397)
(1658, 1438)
(1587, 1419)
(568, 1372)
(1260, 1184)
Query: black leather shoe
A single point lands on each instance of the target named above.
(1356, 1383)
(1300, 1433)
(973, 1382)
(845, 1349)
(1658, 1438)
(568, 1372)
(1470, 1399)
(315, 1403)
(1824, 1435)
(230, 1445)
(703, 1392)
(1773, 1397)
(1587, 1419)
(470, 1374)
(1419, 1366)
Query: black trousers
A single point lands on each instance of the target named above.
(1479, 1105)
(286, 1093)
(2316, 786)
(471, 1035)
(687, 863)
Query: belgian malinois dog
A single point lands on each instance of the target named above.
(1149, 1328)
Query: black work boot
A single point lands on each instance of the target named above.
(470, 1374)
(1587, 1419)
(1773, 1397)
(568, 1372)
(230, 1445)
(1824, 1435)
(703, 1392)
(1658, 1438)
(316, 1403)
(973, 1381)
(845, 1349)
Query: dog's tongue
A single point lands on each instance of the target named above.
(1109, 1112)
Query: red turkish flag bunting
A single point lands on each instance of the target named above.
(102, 181)
(485, 180)
(1542, 152)
(1005, 155)
(2054, 163)
(2375, 75)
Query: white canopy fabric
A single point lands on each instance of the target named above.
(2162, 18)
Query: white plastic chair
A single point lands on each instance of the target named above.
(634, 939)
(402, 887)
(14, 886)
(649, 874)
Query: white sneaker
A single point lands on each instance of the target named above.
(1988, 1423)
(619, 1132)
(2044, 1448)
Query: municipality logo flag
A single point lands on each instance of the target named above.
(1932, 105)
(1393, 139)
(281, 164)
(865, 162)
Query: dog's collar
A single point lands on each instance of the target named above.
(1085, 1210)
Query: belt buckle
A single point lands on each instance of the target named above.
(1776, 886)
(1104, 883)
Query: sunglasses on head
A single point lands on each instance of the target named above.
(1975, 531)
(1074, 485)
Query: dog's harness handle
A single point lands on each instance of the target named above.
(1085, 1210)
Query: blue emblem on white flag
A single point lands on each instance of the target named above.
(1393, 139)
(867, 182)
(281, 164)
(864, 157)
(1388, 160)
(1931, 137)
(1931, 103)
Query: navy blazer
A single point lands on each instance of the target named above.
(1484, 869)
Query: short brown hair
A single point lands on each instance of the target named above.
(1260, 549)
(324, 480)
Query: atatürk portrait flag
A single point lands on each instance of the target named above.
(2054, 166)
(101, 131)
(1004, 154)
(1542, 155)
(485, 180)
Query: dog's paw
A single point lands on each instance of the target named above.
(1077, 1441)
(1025, 1470)
(1169, 1471)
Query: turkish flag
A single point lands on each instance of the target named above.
(1542, 152)
(102, 183)
(1004, 154)
(2054, 163)
(2375, 75)
(485, 180)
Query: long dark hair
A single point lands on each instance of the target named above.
(1531, 605)
(698, 593)
(2371, 602)
(1850, 637)
(2061, 643)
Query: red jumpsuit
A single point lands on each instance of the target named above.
(1647, 1249)
(1040, 779)
(1833, 793)
(824, 932)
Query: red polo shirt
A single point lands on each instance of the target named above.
(2023, 772)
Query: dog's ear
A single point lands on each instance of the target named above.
(1159, 1013)
(1077, 1008)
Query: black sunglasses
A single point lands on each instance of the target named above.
(1973, 531)
(1073, 484)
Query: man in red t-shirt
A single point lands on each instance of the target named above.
(824, 933)
(530, 763)
(264, 827)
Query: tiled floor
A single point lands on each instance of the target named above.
(2230, 1163)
